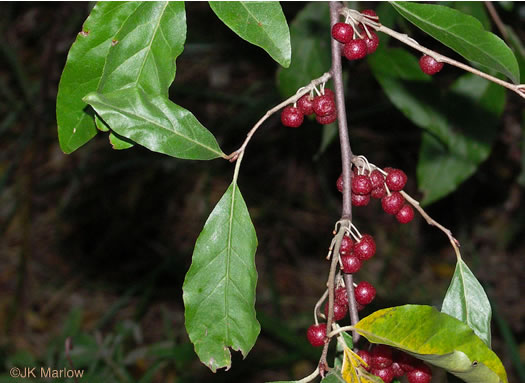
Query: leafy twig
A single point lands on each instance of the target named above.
(301, 92)
(405, 39)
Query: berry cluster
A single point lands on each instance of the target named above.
(357, 44)
(323, 106)
(386, 363)
(370, 181)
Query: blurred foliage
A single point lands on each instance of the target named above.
(95, 245)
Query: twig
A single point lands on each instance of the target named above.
(310, 377)
(496, 19)
(346, 150)
(324, 78)
(68, 346)
(517, 88)
(340, 330)
(453, 241)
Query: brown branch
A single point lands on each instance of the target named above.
(497, 19)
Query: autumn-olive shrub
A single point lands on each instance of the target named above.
(116, 80)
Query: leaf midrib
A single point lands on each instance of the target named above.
(124, 112)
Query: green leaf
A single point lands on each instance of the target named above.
(467, 301)
(459, 125)
(462, 141)
(119, 142)
(83, 70)
(333, 377)
(476, 9)
(155, 123)
(310, 46)
(436, 338)
(144, 50)
(260, 23)
(219, 288)
(463, 34)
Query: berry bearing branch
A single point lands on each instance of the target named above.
(360, 182)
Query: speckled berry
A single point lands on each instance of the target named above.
(405, 361)
(377, 179)
(367, 358)
(355, 49)
(342, 32)
(306, 104)
(382, 356)
(339, 183)
(364, 293)
(372, 41)
(361, 185)
(316, 334)
(351, 264)
(420, 374)
(429, 65)
(369, 12)
(397, 370)
(405, 214)
(324, 105)
(346, 245)
(396, 180)
(360, 200)
(365, 248)
(384, 373)
(392, 203)
(378, 193)
(292, 117)
(325, 120)
(340, 311)
(329, 92)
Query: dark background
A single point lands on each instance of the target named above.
(96, 244)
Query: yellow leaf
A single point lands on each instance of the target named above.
(353, 370)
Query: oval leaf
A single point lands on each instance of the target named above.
(83, 70)
(463, 34)
(436, 338)
(144, 50)
(311, 47)
(467, 301)
(260, 23)
(155, 123)
(219, 288)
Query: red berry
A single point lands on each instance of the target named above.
(360, 200)
(392, 203)
(342, 32)
(405, 361)
(329, 92)
(351, 264)
(406, 214)
(369, 12)
(324, 105)
(325, 120)
(377, 179)
(316, 334)
(306, 104)
(339, 311)
(346, 245)
(355, 49)
(361, 185)
(378, 193)
(384, 373)
(397, 370)
(365, 248)
(367, 357)
(339, 183)
(420, 374)
(360, 307)
(341, 296)
(372, 42)
(429, 65)
(292, 117)
(364, 293)
(381, 356)
(396, 180)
